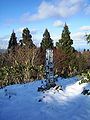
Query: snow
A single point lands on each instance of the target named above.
(23, 102)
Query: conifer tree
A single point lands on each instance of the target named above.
(47, 42)
(65, 43)
(27, 38)
(12, 41)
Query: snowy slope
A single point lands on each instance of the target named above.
(21, 102)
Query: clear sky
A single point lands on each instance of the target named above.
(38, 15)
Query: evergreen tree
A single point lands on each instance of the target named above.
(12, 41)
(65, 43)
(47, 42)
(27, 38)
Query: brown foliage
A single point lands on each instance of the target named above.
(39, 57)
(86, 55)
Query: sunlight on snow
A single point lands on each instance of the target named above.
(69, 93)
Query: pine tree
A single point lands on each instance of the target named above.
(47, 42)
(12, 41)
(65, 43)
(27, 38)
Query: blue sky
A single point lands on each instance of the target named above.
(38, 15)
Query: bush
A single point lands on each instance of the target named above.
(85, 77)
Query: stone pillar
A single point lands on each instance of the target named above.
(49, 68)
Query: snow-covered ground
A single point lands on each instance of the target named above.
(23, 102)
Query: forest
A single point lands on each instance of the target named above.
(25, 62)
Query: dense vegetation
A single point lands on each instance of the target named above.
(24, 62)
